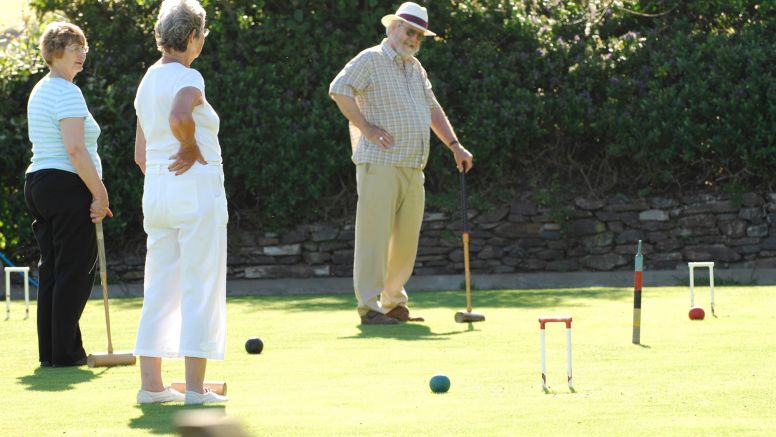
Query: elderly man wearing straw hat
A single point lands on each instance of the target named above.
(385, 94)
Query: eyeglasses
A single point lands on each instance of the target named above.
(75, 48)
(414, 33)
(206, 33)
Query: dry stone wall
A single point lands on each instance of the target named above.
(523, 236)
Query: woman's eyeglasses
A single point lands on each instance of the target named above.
(77, 48)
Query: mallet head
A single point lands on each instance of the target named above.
(464, 317)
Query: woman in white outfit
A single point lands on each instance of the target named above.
(184, 212)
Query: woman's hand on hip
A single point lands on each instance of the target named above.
(186, 157)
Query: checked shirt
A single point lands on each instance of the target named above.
(394, 95)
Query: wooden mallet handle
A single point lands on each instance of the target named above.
(465, 237)
(104, 280)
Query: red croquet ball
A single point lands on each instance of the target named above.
(697, 313)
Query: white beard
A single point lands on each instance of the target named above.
(405, 52)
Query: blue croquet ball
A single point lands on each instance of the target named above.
(254, 345)
(439, 383)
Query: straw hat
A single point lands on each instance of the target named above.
(412, 14)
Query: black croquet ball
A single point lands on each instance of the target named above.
(254, 345)
(439, 383)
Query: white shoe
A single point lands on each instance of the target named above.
(209, 397)
(154, 397)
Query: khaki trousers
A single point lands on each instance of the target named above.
(388, 219)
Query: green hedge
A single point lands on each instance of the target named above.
(635, 97)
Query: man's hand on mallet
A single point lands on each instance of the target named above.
(461, 155)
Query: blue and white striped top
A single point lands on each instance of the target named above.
(51, 100)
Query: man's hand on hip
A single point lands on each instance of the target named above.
(379, 136)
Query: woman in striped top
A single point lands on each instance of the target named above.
(64, 194)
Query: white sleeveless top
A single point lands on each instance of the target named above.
(153, 102)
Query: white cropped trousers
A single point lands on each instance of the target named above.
(184, 305)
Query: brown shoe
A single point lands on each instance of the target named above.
(402, 314)
(375, 318)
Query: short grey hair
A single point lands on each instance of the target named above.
(394, 24)
(177, 18)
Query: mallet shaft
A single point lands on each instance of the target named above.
(465, 237)
(104, 280)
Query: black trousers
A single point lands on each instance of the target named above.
(59, 202)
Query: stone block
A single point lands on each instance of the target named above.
(282, 250)
(733, 229)
(494, 215)
(434, 216)
(316, 257)
(661, 202)
(346, 235)
(603, 239)
(630, 236)
(752, 199)
(323, 233)
(604, 262)
(698, 221)
(292, 237)
(564, 265)
(657, 215)
(518, 230)
(615, 226)
(489, 252)
(713, 207)
(533, 264)
(760, 230)
(667, 245)
(549, 254)
(636, 205)
(588, 203)
(588, 226)
(656, 236)
(754, 215)
(330, 246)
(713, 252)
(523, 207)
(657, 226)
(425, 250)
(288, 260)
(344, 256)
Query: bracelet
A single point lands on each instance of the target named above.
(453, 142)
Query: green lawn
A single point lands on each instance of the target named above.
(323, 374)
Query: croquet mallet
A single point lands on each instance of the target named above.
(468, 315)
(109, 359)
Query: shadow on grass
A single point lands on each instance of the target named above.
(126, 303)
(158, 418)
(442, 299)
(405, 331)
(548, 391)
(56, 379)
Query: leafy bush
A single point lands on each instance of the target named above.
(612, 95)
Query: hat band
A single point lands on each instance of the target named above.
(414, 19)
